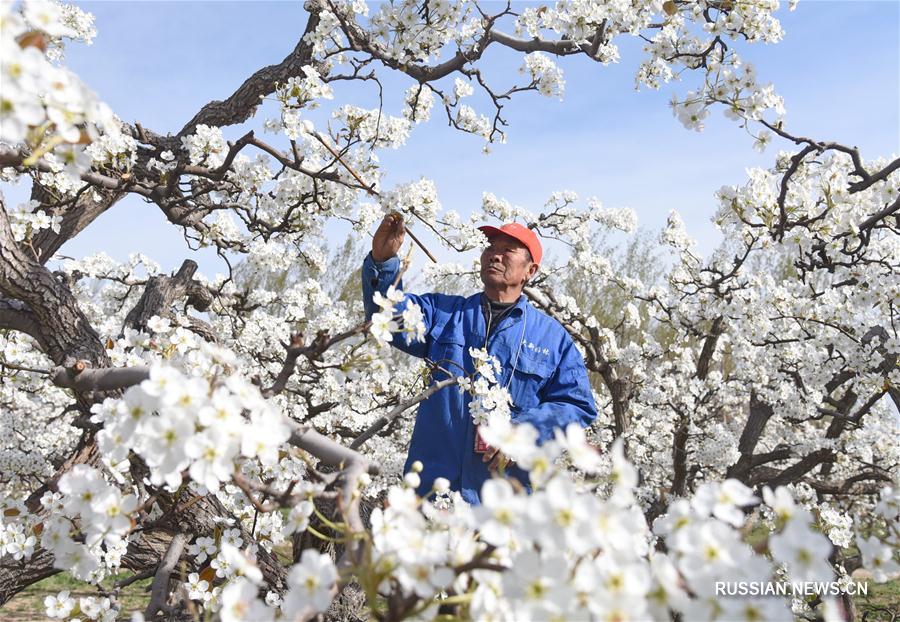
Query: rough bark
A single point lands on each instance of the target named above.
(16, 576)
(679, 457)
(159, 593)
(76, 216)
(162, 291)
(65, 330)
(15, 315)
(240, 106)
(759, 416)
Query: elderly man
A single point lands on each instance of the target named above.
(541, 368)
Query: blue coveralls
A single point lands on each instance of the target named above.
(549, 386)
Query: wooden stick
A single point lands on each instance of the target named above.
(337, 156)
(367, 188)
(422, 246)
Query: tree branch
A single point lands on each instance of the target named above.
(76, 213)
(160, 587)
(759, 416)
(162, 291)
(793, 472)
(241, 104)
(373, 429)
(82, 379)
(15, 158)
(352, 464)
(360, 41)
(15, 315)
(65, 332)
(313, 351)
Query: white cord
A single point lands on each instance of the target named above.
(519, 349)
(521, 342)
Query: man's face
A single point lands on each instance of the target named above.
(506, 263)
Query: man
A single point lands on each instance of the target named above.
(541, 367)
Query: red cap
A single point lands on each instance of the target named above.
(523, 234)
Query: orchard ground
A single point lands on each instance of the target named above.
(882, 604)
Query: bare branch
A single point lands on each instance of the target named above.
(850, 484)
(160, 587)
(293, 351)
(794, 472)
(296, 348)
(292, 162)
(373, 429)
(82, 379)
(241, 104)
(162, 291)
(679, 457)
(874, 178)
(709, 348)
(760, 413)
(888, 210)
(353, 466)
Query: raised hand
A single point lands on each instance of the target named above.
(388, 237)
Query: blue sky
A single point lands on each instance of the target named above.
(838, 69)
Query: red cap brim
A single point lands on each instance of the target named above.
(490, 231)
(533, 245)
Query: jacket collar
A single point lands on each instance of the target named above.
(518, 309)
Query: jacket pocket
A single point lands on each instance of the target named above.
(529, 377)
(448, 352)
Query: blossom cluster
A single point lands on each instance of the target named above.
(398, 27)
(545, 74)
(177, 423)
(27, 220)
(415, 199)
(44, 105)
(387, 321)
(205, 146)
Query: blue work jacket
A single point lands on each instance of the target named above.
(549, 385)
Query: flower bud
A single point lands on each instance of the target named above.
(441, 485)
(412, 479)
(416, 466)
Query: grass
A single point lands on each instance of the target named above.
(882, 604)
(28, 605)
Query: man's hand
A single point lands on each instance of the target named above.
(388, 237)
(497, 460)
